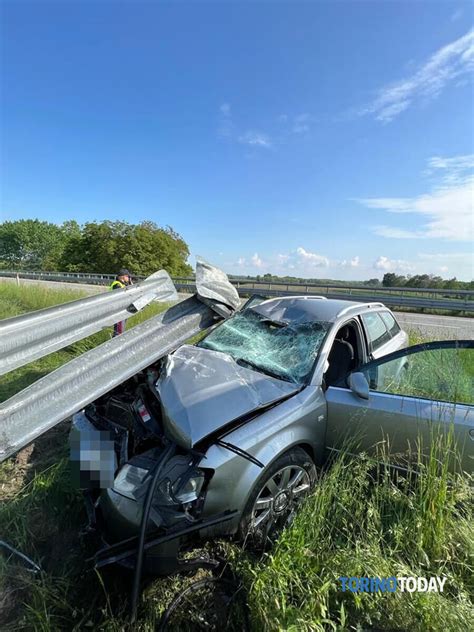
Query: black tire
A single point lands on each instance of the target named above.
(259, 537)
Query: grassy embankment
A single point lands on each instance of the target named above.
(357, 522)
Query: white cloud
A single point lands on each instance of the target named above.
(453, 170)
(456, 15)
(448, 208)
(456, 263)
(312, 258)
(383, 263)
(306, 264)
(352, 263)
(299, 262)
(255, 139)
(447, 64)
(459, 264)
(301, 123)
(393, 265)
(227, 130)
(300, 128)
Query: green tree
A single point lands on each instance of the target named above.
(372, 282)
(31, 244)
(452, 284)
(142, 248)
(393, 280)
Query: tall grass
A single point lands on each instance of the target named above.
(16, 299)
(41, 512)
(365, 521)
(361, 520)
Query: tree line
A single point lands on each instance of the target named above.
(425, 281)
(389, 280)
(31, 244)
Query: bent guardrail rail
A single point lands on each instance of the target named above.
(25, 338)
(56, 396)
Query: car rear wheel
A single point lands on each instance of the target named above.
(275, 498)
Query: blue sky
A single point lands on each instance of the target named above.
(318, 139)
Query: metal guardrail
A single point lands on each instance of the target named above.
(46, 402)
(69, 388)
(24, 338)
(429, 298)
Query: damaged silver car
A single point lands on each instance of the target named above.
(176, 441)
(236, 424)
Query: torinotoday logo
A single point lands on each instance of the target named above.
(392, 584)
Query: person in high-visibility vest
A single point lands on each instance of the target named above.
(122, 279)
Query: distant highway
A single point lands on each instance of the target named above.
(428, 325)
(438, 327)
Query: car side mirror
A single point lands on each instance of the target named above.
(359, 385)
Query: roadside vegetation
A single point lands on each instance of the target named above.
(360, 521)
(30, 244)
(107, 246)
(422, 281)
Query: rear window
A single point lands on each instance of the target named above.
(376, 330)
(391, 323)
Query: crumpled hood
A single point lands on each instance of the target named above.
(202, 390)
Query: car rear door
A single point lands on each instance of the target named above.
(379, 338)
(412, 395)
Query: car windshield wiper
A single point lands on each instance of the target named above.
(265, 370)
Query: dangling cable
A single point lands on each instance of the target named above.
(143, 526)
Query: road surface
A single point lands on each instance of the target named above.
(437, 327)
(427, 325)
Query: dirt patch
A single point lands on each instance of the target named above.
(20, 469)
(14, 472)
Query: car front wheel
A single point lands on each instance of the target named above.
(275, 498)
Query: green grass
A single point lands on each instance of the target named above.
(358, 522)
(362, 522)
(16, 300)
(41, 513)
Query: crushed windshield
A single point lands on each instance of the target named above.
(283, 350)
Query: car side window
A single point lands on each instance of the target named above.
(376, 330)
(438, 374)
(392, 325)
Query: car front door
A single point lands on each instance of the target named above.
(404, 399)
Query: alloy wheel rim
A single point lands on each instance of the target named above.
(276, 504)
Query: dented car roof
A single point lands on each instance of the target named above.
(302, 309)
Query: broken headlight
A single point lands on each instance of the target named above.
(132, 482)
(129, 480)
(184, 490)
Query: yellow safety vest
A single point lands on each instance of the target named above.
(116, 284)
